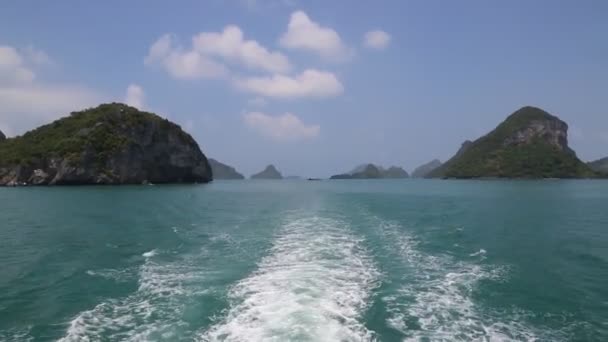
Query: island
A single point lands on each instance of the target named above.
(530, 143)
(600, 165)
(223, 171)
(371, 171)
(424, 169)
(270, 172)
(109, 144)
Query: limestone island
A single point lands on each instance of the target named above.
(109, 144)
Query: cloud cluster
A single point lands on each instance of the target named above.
(286, 127)
(230, 56)
(214, 55)
(310, 83)
(305, 34)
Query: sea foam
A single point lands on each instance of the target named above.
(435, 301)
(153, 312)
(313, 285)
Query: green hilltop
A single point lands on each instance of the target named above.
(530, 143)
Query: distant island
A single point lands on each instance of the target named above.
(530, 143)
(600, 165)
(109, 144)
(270, 172)
(371, 171)
(424, 169)
(223, 171)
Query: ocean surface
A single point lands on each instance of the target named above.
(384, 260)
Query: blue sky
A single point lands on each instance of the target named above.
(314, 87)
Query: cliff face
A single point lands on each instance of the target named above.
(223, 171)
(270, 172)
(423, 170)
(109, 144)
(530, 143)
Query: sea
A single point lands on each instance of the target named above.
(345, 260)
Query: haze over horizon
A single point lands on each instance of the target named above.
(313, 87)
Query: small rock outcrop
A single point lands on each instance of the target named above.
(110, 144)
(270, 172)
(223, 171)
(424, 169)
(530, 143)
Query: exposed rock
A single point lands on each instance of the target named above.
(109, 144)
(223, 171)
(530, 143)
(270, 172)
(424, 169)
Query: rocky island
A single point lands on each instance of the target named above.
(424, 169)
(530, 143)
(109, 144)
(270, 172)
(371, 171)
(223, 171)
(600, 165)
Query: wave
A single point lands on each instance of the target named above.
(313, 285)
(435, 301)
(153, 312)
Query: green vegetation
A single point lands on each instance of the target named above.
(102, 129)
(537, 157)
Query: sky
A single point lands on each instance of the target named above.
(314, 87)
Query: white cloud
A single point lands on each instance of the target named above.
(209, 53)
(286, 127)
(230, 45)
(12, 67)
(310, 83)
(303, 33)
(376, 39)
(183, 64)
(135, 96)
(26, 103)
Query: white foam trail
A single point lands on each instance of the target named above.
(313, 286)
(435, 302)
(153, 312)
(150, 254)
(481, 252)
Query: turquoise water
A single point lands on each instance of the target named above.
(402, 260)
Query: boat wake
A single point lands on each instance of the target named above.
(313, 285)
(154, 312)
(435, 301)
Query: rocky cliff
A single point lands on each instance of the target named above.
(110, 144)
(424, 169)
(270, 172)
(223, 171)
(530, 143)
